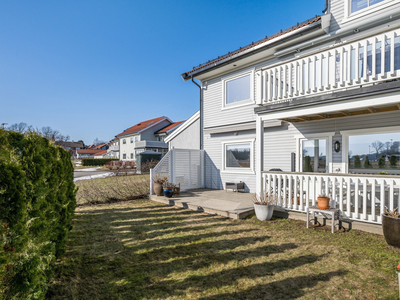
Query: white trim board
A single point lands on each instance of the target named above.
(182, 127)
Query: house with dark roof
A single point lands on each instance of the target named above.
(296, 113)
(144, 136)
(72, 147)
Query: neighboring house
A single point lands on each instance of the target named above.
(86, 153)
(101, 147)
(113, 149)
(163, 133)
(187, 136)
(143, 136)
(70, 146)
(100, 154)
(307, 100)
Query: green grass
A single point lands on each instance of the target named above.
(146, 250)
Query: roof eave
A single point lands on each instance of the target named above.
(188, 75)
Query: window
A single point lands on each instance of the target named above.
(357, 5)
(124, 141)
(137, 138)
(124, 156)
(131, 155)
(238, 156)
(160, 138)
(131, 140)
(374, 153)
(314, 155)
(237, 90)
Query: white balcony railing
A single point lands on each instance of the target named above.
(359, 197)
(341, 67)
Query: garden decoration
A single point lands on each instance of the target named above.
(264, 206)
(158, 184)
(168, 189)
(391, 227)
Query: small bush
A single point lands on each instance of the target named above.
(357, 162)
(382, 162)
(96, 162)
(307, 164)
(145, 167)
(393, 161)
(367, 164)
(37, 202)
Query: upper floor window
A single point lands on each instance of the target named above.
(131, 140)
(137, 139)
(124, 141)
(357, 5)
(237, 90)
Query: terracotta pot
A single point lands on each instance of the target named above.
(391, 230)
(263, 212)
(298, 200)
(323, 202)
(158, 189)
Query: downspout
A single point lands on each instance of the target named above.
(326, 6)
(201, 115)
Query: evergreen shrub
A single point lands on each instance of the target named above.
(96, 162)
(357, 162)
(382, 162)
(37, 202)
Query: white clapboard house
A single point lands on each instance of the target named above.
(310, 110)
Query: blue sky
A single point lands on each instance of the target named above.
(94, 68)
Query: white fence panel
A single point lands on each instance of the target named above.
(182, 166)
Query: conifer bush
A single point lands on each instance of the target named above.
(37, 202)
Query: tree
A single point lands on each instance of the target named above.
(382, 162)
(387, 145)
(367, 164)
(357, 162)
(394, 149)
(393, 161)
(307, 164)
(53, 135)
(377, 145)
(20, 127)
(97, 142)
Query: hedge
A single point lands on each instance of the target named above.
(96, 162)
(37, 202)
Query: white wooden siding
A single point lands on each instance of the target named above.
(337, 11)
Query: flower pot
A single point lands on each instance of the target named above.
(263, 212)
(158, 189)
(177, 190)
(391, 230)
(298, 200)
(323, 202)
(168, 193)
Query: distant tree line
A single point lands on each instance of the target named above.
(46, 131)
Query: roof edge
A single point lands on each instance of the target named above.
(183, 126)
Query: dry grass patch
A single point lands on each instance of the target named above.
(146, 250)
(111, 189)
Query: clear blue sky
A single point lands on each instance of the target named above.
(94, 68)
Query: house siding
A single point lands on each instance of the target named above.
(189, 138)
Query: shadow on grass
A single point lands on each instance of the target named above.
(158, 252)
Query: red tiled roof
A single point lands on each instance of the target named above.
(87, 151)
(169, 127)
(90, 146)
(99, 146)
(140, 126)
(101, 152)
(252, 45)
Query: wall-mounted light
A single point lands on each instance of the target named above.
(336, 146)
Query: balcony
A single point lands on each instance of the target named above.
(114, 148)
(150, 144)
(365, 62)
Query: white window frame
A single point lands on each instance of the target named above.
(349, 16)
(131, 139)
(345, 140)
(124, 156)
(124, 141)
(329, 138)
(244, 102)
(137, 138)
(226, 169)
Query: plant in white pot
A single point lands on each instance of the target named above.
(264, 206)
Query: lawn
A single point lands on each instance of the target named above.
(145, 250)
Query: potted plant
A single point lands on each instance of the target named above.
(323, 201)
(264, 206)
(391, 227)
(158, 181)
(168, 189)
(177, 189)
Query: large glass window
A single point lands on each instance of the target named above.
(314, 157)
(237, 89)
(374, 153)
(238, 156)
(357, 5)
